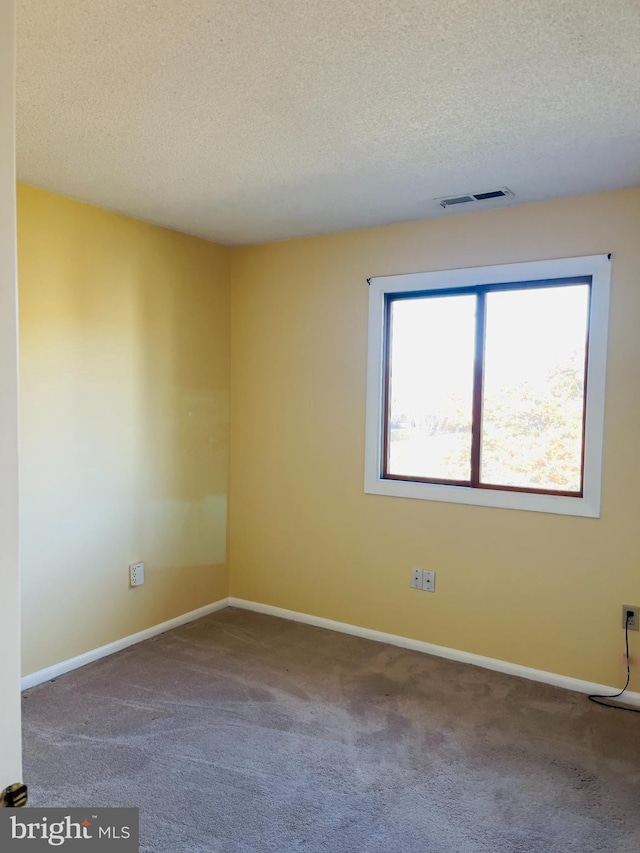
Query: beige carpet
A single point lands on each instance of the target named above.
(242, 732)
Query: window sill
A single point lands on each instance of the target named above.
(555, 504)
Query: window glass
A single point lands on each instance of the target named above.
(430, 395)
(533, 390)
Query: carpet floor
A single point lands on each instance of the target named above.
(242, 732)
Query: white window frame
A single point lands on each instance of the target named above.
(588, 505)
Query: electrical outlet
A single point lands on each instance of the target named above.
(416, 578)
(136, 574)
(423, 579)
(428, 581)
(634, 621)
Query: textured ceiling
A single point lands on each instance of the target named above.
(250, 120)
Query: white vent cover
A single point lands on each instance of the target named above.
(490, 195)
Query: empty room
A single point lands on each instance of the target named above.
(319, 426)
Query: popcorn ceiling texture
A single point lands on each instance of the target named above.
(255, 121)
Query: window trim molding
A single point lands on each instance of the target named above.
(596, 266)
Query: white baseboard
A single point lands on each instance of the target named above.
(540, 675)
(88, 657)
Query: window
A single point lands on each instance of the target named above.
(486, 386)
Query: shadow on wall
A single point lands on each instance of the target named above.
(183, 412)
(124, 400)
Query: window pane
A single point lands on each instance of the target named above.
(431, 387)
(533, 402)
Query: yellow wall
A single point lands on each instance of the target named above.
(124, 407)
(540, 590)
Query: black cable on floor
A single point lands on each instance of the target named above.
(597, 697)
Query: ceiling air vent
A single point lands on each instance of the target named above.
(471, 197)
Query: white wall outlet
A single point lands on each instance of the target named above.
(423, 579)
(136, 574)
(632, 621)
(428, 581)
